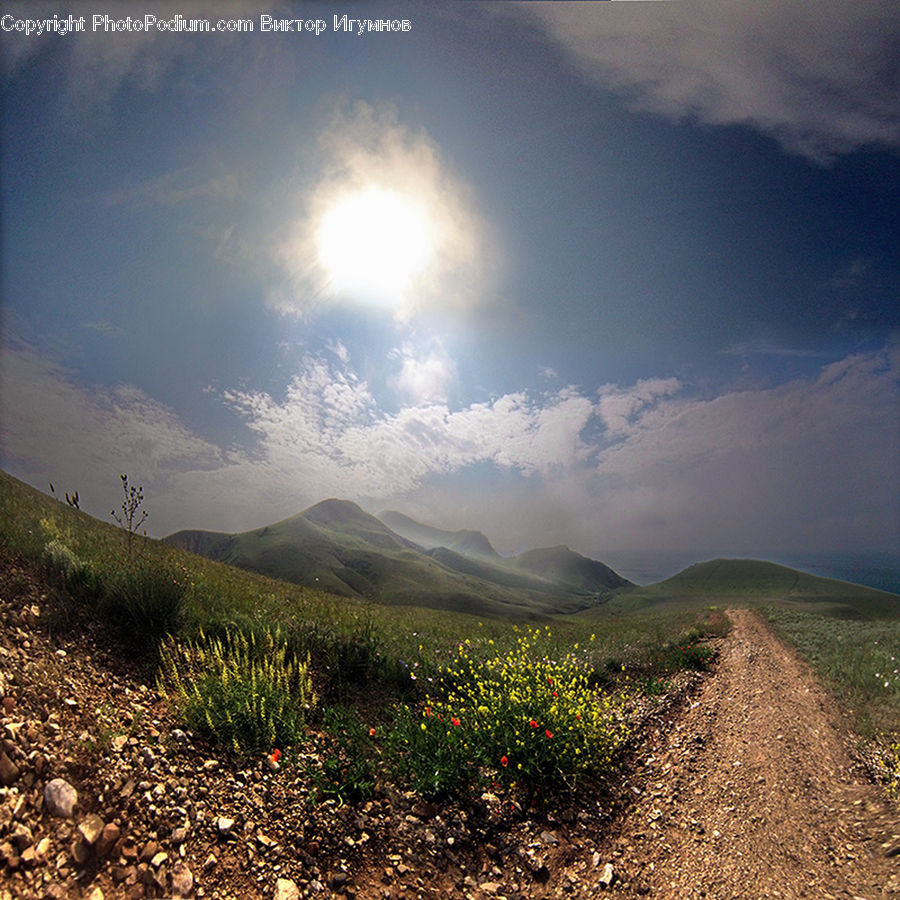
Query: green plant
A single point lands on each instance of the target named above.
(529, 719)
(347, 758)
(132, 516)
(68, 572)
(692, 656)
(146, 603)
(654, 686)
(241, 691)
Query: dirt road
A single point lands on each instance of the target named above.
(753, 793)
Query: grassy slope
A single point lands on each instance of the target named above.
(223, 593)
(338, 547)
(748, 582)
(630, 628)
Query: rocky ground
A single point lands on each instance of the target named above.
(737, 785)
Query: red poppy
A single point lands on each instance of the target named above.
(533, 724)
(428, 711)
(504, 761)
(555, 694)
(371, 732)
(549, 733)
(276, 755)
(454, 721)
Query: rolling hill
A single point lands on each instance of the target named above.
(751, 582)
(336, 546)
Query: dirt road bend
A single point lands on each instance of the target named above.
(753, 793)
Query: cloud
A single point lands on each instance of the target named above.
(806, 464)
(425, 378)
(361, 148)
(82, 437)
(821, 82)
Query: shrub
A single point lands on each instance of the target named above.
(693, 656)
(347, 763)
(146, 603)
(242, 692)
(522, 718)
(69, 572)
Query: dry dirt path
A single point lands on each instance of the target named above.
(753, 793)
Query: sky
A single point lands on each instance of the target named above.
(621, 276)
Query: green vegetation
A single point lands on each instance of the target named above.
(241, 691)
(751, 582)
(859, 661)
(238, 653)
(526, 718)
(338, 547)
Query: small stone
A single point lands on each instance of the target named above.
(149, 850)
(81, 850)
(286, 889)
(159, 859)
(607, 875)
(9, 771)
(9, 704)
(548, 837)
(60, 798)
(595, 859)
(179, 836)
(489, 887)
(91, 828)
(178, 735)
(42, 850)
(210, 863)
(107, 839)
(225, 826)
(265, 841)
(96, 894)
(182, 882)
(22, 836)
(9, 855)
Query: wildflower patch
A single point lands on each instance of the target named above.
(526, 719)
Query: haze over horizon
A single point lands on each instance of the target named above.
(617, 276)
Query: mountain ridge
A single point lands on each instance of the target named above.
(335, 545)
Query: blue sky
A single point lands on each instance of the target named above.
(634, 288)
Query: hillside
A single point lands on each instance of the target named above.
(569, 568)
(336, 546)
(464, 541)
(760, 583)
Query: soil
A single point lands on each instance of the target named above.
(739, 783)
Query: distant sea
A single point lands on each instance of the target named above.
(877, 570)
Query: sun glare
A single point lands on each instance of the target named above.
(373, 244)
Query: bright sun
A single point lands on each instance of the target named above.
(373, 244)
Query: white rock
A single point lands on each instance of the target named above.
(60, 798)
(285, 889)
(607, 875)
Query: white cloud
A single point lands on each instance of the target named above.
(425, 377)
(822, 81)
(808, 464)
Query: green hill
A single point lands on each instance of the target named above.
(571, 569)
(336, 546)
(751, 582)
